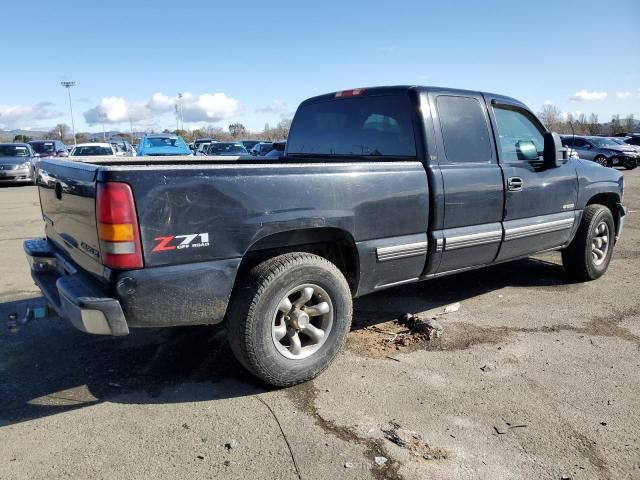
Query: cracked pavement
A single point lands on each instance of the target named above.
(526, 349)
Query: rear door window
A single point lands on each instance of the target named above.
(464, 129)
(363, 126)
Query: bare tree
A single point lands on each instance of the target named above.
(550, 115)
(594, 126)
(237, 130)
(629, 124)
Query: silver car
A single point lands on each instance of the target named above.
(17, 163)
(603, 151)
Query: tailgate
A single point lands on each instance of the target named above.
(68, 198)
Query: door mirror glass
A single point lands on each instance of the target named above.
(527, 150)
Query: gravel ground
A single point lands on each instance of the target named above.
(533, 377)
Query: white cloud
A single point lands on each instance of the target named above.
(547, 102)
(21, 116)
(586, 95)
(208, 107)
(623, 95)
(277, 106)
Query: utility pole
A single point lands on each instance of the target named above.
(68, 85)
(181, 111)
(177, 119)
(103, 116)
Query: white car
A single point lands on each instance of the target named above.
(93, 150)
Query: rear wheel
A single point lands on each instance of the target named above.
(289, 318)
(588, 255)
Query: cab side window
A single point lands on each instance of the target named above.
(464, 129)
(520, 139)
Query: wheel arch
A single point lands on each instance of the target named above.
(334, 244)
(609, 200)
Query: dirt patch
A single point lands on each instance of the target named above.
(387, 338)
(413, 442)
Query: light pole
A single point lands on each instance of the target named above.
(68, 86)
(103, 116)
(181, 111)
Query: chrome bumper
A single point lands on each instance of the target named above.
(74, 295)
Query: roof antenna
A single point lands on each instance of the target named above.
(573, 133)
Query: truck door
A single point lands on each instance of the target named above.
(540, 204)
(472, 181)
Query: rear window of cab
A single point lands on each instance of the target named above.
(359, 126)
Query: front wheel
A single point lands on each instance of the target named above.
(289, 318)
(629, 164)
(588, 255)
(602, 160)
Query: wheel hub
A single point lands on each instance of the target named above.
(600, 243)
(302, 321)
(298, 319)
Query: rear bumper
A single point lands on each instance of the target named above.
(74, 295)
(167, 296)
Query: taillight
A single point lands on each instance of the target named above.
(350, 93)
(118, 226)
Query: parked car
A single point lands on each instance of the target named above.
(260, 148)
(196, 146)
(277, 150)
(226, 149)
(202, 148)
(249, 144)
(123, 147)
(633, 140)
(49, 148)
(93, 150)
(602, 150)
(18, 163)
(365, 198)
(163, 145)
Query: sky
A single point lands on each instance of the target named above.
(253, 62)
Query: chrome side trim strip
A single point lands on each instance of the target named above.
(472, 239)
(539, 228)
(395, 252)
(393, 284)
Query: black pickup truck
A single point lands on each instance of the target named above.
(378, 187)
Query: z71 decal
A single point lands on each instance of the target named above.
(180, 242)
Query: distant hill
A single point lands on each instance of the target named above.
(7, 135)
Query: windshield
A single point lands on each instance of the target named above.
(164, 142)
(603, 142)
(91, 150)
(13, 151)
(43, 147)
(226, 149)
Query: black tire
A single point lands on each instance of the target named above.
(578, 258)
(255, 304)
(602, 160)
(629, 164)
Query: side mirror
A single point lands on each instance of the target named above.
(527, 150)
(554, 152)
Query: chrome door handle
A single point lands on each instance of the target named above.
(514, 184)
